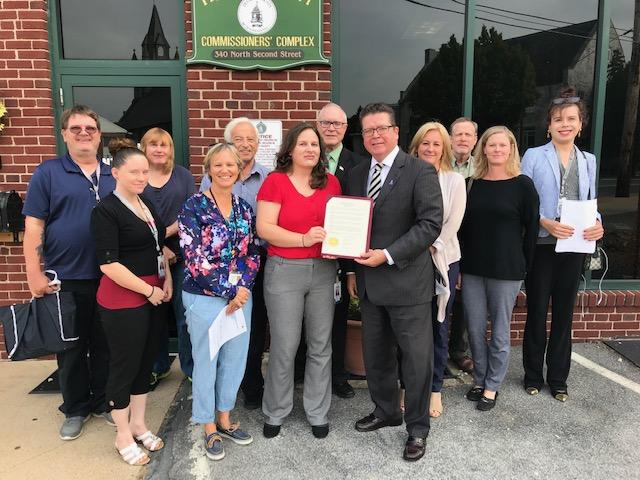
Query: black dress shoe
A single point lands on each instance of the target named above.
(270, 431)
(320, 431)
(414, 448)
(343, 390)
(474, 394)
(371, 423)
(485, 404)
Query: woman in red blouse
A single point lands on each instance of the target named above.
(298, 282)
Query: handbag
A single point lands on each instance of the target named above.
(43, 326)
(594, 261)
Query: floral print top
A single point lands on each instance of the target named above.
(214, 247)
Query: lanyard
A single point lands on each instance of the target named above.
(148, 218)
(94, 186)
(232, 228)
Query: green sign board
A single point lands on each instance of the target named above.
(250, 34)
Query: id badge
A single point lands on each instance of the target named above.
(337, 291)
(234, 278)
(161, 273)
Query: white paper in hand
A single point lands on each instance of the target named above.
(224, 328)
(580, 214)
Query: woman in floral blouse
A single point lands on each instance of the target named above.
(217, 237)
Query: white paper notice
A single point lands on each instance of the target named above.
(580, 214)
(347, 221)
(224, 328)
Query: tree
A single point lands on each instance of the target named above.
(504, 81)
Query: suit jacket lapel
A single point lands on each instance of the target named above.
(340, 166)
(552, 158)
(391, 180)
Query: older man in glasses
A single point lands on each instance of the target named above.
(60, 198)
(395, 280)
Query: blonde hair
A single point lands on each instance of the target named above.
(216, 150)
(480, 159)
(158, 135)
(447, 151)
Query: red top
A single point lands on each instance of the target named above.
(297, 212)
(113, 297)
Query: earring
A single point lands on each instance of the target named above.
(548, 134)
(579, 132)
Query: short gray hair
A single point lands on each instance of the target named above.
(463, 120)
(233, 124)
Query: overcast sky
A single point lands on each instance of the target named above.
(382, 42)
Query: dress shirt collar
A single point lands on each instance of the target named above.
(388, 160)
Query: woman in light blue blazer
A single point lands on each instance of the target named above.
(559, 170)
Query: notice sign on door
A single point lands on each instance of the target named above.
(251, 34)
(270, 137)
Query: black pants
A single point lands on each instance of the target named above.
(338, 339)
(408, 328)
(134, 338)
(83, 378)
(556, 277)
(253, 381)
(458, 338)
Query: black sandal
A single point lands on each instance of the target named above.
(474, 394)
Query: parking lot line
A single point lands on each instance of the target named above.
(605, 372)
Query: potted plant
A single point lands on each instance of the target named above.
(353, 358)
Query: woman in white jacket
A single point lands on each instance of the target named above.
(432, 144)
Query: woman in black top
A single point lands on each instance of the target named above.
(136, 283)
(498, 238)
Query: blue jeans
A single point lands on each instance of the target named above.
(184, 343)
(215, 382)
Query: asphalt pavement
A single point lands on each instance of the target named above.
(594, 435)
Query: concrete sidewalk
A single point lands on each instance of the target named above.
(592, 436)
(29, 424)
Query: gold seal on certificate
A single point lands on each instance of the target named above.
(347, 221)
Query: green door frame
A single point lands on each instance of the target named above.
(67, 73)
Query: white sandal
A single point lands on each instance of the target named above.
(134, 455)
(150, 441)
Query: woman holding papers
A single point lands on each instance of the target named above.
(217, 237)
(560, 171)
(129, 236)
(432, 144)
(298, 282)
(498, 238)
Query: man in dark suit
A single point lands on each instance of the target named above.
(332, 125)
(395, 281)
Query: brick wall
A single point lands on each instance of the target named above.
(28, 136)
(215, 95)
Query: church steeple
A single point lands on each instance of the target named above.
(155, 45)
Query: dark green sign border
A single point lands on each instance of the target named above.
(196, 5)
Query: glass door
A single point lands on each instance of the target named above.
(129, 106)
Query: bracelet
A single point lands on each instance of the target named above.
(302, 238)
(153, 289)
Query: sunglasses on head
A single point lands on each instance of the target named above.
(562, 100)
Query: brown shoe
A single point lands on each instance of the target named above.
(465, 364)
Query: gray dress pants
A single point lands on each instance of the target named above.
(489, 299)
(295, 289)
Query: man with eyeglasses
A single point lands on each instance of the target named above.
(60, 197)
(332, 125)
(394, 279)
(464, 135)
(244, 136)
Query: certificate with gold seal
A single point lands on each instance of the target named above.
(347, 221)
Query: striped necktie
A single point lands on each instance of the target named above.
(376, 182)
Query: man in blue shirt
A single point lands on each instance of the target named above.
(244, 136)
(60, 198)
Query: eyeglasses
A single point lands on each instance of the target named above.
(368, 132)
(76, 129)
(562, 100)
(327, 124)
